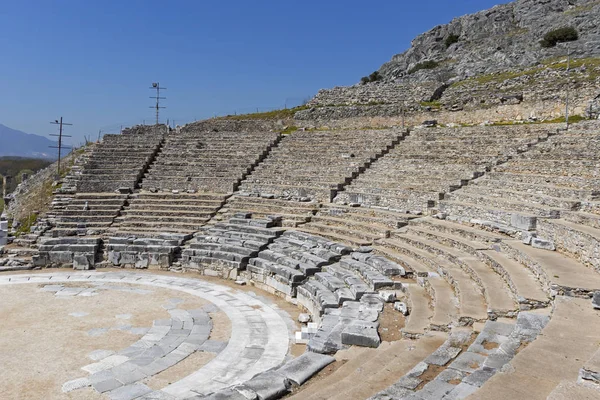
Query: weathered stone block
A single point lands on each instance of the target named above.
(523, 222)
(361, 333)
(83, 261)
(596, 300)
(543, 244)
(114, 257)
(61, 257)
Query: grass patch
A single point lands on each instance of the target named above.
(289, 130)
(581, 9)
(275, 114)
(592, 64)
(432, 104)
(26, 225)
(573, 119)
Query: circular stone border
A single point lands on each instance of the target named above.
(259, 335)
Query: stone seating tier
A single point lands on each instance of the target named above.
(225, 249)
(81, 253)
(417, 165)
(291, 212)
(344, 154)
(214, 162)
(85, 213)
(150, 214)
(118, 161)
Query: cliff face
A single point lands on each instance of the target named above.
(495, 63)
(503, 37)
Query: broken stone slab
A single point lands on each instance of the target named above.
(442, 355)
(361, 333)
(267, 385)
(236, 393)
(527, 236)
(529, 326)
(523, 222)
(83, 261)
(542, 244)
(388, 296)
(402, 307)
(302, 368)
(591, 369)
(596, 300)
(304, 318)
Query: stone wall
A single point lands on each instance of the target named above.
(232, 125)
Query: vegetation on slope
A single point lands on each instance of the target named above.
(15, 167)
(268, 115)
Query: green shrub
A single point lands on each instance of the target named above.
(451, 39)
(374, 77)
(567, 34)
(424, 65)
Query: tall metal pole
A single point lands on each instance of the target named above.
(568, 84)
(156, 85)
(60, 136)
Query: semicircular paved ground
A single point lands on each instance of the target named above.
(259, 334)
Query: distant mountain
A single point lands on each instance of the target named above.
(21, 144)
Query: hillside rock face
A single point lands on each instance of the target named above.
(496, 63)
(503, 37)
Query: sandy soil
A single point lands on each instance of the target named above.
(42, 346)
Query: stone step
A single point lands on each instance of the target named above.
(506, 204)
(351, 225)
(353, 237)
(556, 270)
(520, 280)
(580, 241)
(367, 215)
(415, 202)
(418, 321)
(525, 197)
(164, 214)
(472, 306)
(581, 218)
(351, 374)
(570, 338)
(499, 297)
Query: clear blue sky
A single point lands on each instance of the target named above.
(93, 61)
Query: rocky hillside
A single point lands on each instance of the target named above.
(503, 37)
(495, 65)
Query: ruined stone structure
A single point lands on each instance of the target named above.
(427, 263)
(473, 234)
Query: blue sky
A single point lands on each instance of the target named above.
(92, 62)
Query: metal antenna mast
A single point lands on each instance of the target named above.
(60, 136)
(156, 86)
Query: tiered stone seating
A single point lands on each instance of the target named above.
(565, 345)
(552, 189)
(292, 213)
(226, 248)
(356, 226)
(414, 175)
(80, 253)
(458, 373)
(212, 162)
(290, 260)
(84, 213)
(310, 165)
(131, 252)
(150, 214)
(119, 161)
